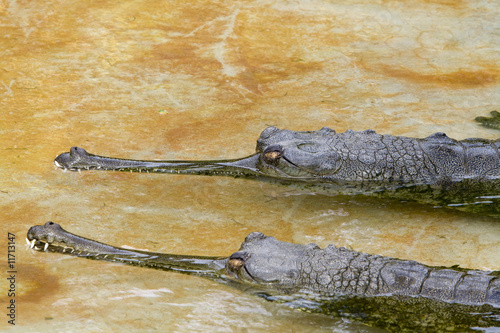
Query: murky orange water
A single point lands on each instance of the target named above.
(163, 80)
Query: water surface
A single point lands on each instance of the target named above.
(163, 80)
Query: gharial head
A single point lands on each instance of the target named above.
(302, 156)
(285, 153)
(279, 153)
(262, 263)
(268, 263)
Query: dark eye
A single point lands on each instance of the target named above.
(272, 154)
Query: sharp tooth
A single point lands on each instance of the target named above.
(28, 241)
(45, 247)
(32, 245)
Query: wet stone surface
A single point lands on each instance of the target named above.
(171, 80)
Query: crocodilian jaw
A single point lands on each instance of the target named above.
(31, 244)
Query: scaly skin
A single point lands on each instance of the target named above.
(382, 291)
(436, 170)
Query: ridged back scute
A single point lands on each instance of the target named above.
(445, 154)
(478, 288)
(482, 157)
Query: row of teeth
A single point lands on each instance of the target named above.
(32, 245)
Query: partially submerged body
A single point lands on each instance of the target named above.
(381, 291)
(435, 170)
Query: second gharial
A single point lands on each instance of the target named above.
(398, 295)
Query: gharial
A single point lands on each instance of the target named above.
(399, 295)
(437, 170)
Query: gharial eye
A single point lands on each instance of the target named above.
(236, 261)
(272, 154)
(235, 264)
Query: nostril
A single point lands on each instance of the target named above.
(77, 151)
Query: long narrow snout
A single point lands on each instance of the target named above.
(78, 159)
(51, 237)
